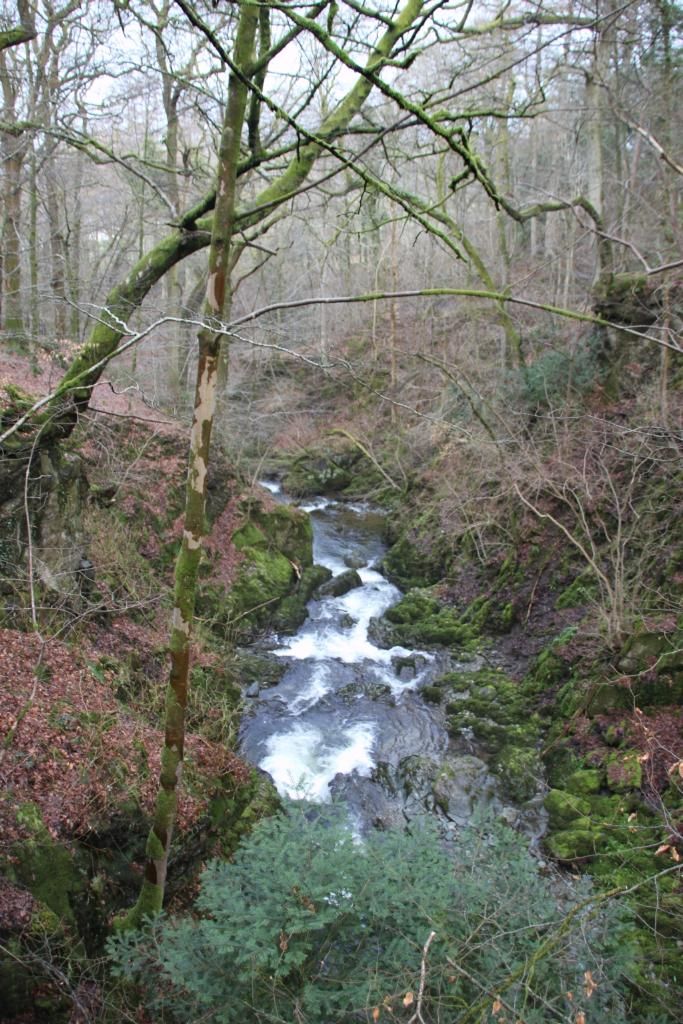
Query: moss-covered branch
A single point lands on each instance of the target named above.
(21, 33)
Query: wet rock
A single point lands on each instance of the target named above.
(291, 611)
(253, 690)
(406, 668)
(369, 802)
(462, 786)
(355, 560)
(261, 667)
(380, 633)
(368, 690)
(340, 585)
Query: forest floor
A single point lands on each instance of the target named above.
(79, 723)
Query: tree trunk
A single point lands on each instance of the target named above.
(158, 844)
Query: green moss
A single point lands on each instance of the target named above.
(432, 694)
(560, 762)
(287, 529)
(291, 611)
(624, 771)
(237, 807)
(408, 565)
(249, 536)
(564, 808)
(420, 620)
(586, 782)
(519, 770)
(46, 868)
(580, 592)
(416, 606)
(572, 844)
(323, 472)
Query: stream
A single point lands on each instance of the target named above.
(346, 721)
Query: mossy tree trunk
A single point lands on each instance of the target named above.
(158, 844)
(13, 153)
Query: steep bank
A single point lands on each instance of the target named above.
(86, 575)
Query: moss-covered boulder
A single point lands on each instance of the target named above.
(572, 844)
(410, 564)
(420, 620)
(325, 471)
(281, 528)
(566, 808)
(274, 546)
(585, 782)
(519, 770)
(624, 771)
(291, 611)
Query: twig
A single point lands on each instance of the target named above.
(417, 1016)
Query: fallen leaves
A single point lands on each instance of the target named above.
(671, 850)
(589, 984)
(74, 751)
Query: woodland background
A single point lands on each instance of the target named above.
(451, 247)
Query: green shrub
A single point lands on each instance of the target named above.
(306, 924)
(556, 374)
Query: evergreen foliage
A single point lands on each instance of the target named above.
(557, 374)
(308, 925)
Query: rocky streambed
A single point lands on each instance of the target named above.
(365, 714)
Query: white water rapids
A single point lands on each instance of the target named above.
(343, 703)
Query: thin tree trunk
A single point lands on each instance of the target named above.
(151, 896)
(11, 244)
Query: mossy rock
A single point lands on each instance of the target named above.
(420, 620)
(491, 614)
(520, 771)
(238, 807)
(624, 771)
(413, 608)
(339, 585)
(583, 590)
(264, 578)
(249, 536)
(370, 690)
(564, 808)
(408, 565)
(573, 844)
(610, 697)
(432, 694)
(560, 763)
(282, 528)
(548, 670)
(321, 473)
(291, 610)
(586, 782)
(277, 549)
